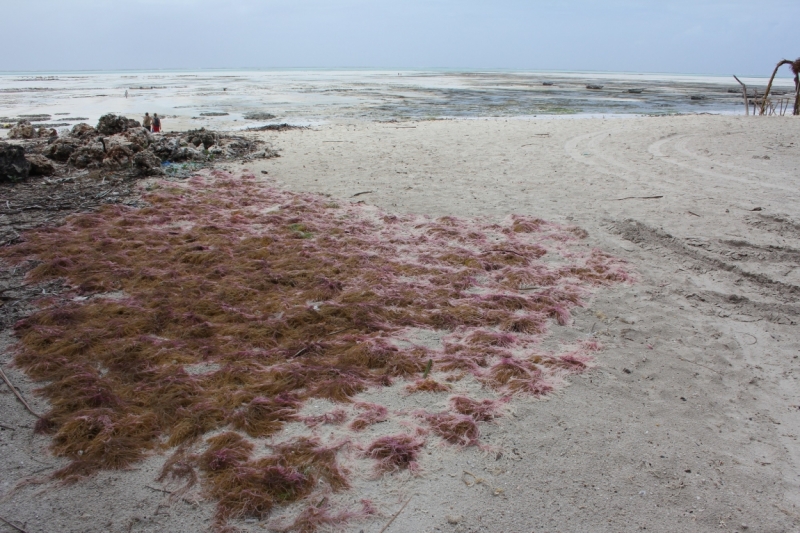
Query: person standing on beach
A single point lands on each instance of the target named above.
(126, 93)
(156, 123)
(147, 122)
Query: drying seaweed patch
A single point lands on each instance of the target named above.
(370, 414)
(427, 385)
(280, 300)
(457, 429)
(480, 410)
(335, 417)
(395, 452)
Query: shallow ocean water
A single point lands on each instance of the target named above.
(313, 96)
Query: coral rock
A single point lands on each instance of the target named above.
(40, 165)
(147, 164)
(112, 124)
(13, 165)
(62, 149)
(201, 136)
(23, 130)
(118, 157)
(47, 133)
(88, 156)
(83, 130)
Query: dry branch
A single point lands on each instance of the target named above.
(12, 525)
(744, 94)
(639, 198)
(17, 394)
(395, 516)
(769, 85)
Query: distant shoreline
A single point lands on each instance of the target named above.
(227, 100)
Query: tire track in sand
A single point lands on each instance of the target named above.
(656, 150)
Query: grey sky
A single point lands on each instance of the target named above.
(682, 36)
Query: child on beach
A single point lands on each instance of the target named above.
(156, 123)
(147, 123)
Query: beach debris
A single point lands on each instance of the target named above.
(636, 91)
(594, 87)
(697, 97)
(548, 83)
(214, 114)
(17, 394)
(427, 369)
(23, 130)
(470, 480)
(9, 428)
(16, 527)
(453, 519)
(13, 165)
(639, 198)
(394, 517)
(744, 94)
(362, 192)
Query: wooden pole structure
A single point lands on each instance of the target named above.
(744, 93)
(769, 85)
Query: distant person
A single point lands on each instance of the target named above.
(147, 122)
(156, 123)
(126, 93)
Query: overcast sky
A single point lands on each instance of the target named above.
(680, 36)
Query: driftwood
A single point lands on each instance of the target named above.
(769, 85)
(17, 394)
(12, 525)
(395, 516)
(795, 66)
(744, 93)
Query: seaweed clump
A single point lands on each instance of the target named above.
(395, 452)
(281, 298)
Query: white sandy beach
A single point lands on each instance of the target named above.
(690, 421)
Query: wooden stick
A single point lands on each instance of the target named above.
(395, 516)
(744, 92)
(639, 198)
(7, 427)
(12, 525)
(17, 394)
(360, 193)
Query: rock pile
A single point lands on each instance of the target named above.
(117, 144)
